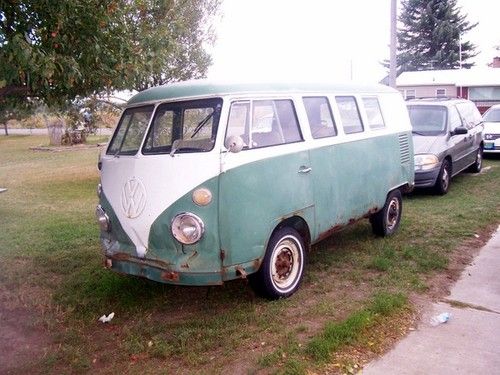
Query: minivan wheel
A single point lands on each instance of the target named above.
(443, 181)
(283, 266)
(386, 221)
(478, 164)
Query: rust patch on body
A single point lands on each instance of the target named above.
(330, 231)
(170, 276)
(240, 271)
(142, 261)
(121, 256)
(256, 264)
(339, 227)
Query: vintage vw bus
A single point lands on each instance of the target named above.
(207, 182)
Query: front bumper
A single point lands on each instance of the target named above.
(426, 178)
(164, 273)
(492, 146)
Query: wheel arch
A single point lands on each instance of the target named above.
(450, 161)
(300, 225)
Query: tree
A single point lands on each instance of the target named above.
(432, 35)
(57, 50)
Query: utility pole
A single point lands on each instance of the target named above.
(393, 46)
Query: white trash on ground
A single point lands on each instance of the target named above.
(440, 319)
(106, 319)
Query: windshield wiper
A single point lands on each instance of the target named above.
(201, 124)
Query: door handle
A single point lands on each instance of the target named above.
(304, 169)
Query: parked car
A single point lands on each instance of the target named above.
(492, 129)
(447, 137)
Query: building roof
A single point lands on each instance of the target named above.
(457, 77)
(200, 88)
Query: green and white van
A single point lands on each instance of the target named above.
(204, 182)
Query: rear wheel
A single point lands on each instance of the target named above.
(443, 181)
(386, 221)
(478, 164)
(283, 266)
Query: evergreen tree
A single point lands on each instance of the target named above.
(430, 36)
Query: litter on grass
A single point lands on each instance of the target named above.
(106, 319)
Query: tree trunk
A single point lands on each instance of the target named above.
(55, 129)
(5, 127)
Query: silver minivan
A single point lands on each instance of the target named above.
(447, 138)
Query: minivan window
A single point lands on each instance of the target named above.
(470, 114)
(427, 119)
(130, 131)
(349, 114)
(272, 122)
(320, 117)
(373, 113)
(493, 115)
(454, 118)
(193, 124)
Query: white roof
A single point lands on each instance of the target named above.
(457, 77)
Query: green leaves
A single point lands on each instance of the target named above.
(58, 50)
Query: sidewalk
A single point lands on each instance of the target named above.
(469, 343)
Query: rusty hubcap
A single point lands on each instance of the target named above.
(393, 213)
(286, 263)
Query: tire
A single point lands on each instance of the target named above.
(386, 221)
(282, 269)
(444, 178)
(478, 164)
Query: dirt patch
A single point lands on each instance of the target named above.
(23, 341)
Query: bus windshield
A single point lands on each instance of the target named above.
(189, 126)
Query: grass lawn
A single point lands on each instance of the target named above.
(358, 295)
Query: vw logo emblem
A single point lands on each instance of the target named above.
(133, 198)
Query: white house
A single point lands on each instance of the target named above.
(481, 85)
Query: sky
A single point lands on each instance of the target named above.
(318, 39)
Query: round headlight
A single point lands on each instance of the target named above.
(202, 196)
(187, 228)
(102, 219)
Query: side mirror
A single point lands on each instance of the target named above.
(459, 130)
(234, 144)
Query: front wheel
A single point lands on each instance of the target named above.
(386, 221)
(443, 181)
(283, 266)
(478, 164)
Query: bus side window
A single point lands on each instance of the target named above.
(320, 117)
(273, 123)
(373, 113)
(349, 114)
(238, 123)
(287, 120)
